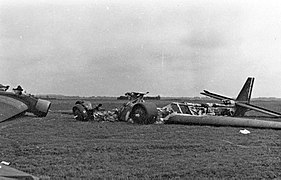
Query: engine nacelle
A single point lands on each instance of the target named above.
(42, 107)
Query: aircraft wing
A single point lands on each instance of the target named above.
(10, 107)
(215, 96)
(9, 173)
(257, 108)
(179, 118)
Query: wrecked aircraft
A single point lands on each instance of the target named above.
(241, 104)
(187, 113)
(182, 113)
(141, 112)
(13, 104)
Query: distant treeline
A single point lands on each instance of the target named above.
(62, 97)
(145, 97)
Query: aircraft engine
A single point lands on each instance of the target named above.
(42, 107)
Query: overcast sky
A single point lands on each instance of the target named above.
(170, 48)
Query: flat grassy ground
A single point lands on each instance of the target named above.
(59, 147)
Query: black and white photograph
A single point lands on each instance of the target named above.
(144, 89)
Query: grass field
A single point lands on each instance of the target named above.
(59, 147)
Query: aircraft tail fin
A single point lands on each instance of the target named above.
(244, 97)
(246, 91)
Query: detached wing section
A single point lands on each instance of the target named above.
(245, 106)
(10, 107)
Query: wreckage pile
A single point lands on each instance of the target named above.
(136, 110)
(163, 113)
(110, 116)
(140, 112)
(84, 111)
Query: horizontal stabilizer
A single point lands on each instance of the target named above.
(215, 96)
(257, 108)
(10, 107)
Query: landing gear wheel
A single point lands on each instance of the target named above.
(78, 115)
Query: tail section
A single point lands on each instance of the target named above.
(246, 91)
(242, 102)
(244, 97)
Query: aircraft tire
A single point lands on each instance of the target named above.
(80, 113)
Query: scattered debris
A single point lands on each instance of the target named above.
(5, 163)
(135, 110)
(244, 131)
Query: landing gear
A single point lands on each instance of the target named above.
(79, 115)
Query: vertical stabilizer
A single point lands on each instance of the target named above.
(244, 97)
(246, 91)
